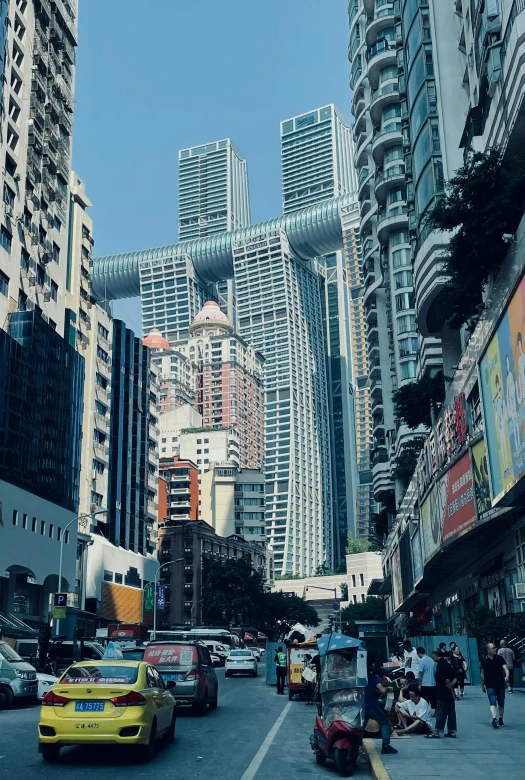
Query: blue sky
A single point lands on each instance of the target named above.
(155, 76)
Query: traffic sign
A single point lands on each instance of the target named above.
(59, 606)
(336, 606)
(149, 597)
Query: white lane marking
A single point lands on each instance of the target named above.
(257, 760)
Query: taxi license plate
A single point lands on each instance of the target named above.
(89, 706)
(171, 676)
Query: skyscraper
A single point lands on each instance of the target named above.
(316, 158)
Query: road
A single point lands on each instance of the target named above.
(236, 742)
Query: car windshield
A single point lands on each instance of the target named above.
(133, 655)
(7, 652)
(95, 674)
(240, 653)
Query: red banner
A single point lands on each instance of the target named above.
(460, 508)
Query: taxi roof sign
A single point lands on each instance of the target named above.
(113, 652)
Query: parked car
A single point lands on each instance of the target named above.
(60, 653)
(241, 662)
(217, 649)
(18, 683)
(256, 653)
(45, 683)
(133, 653)
(216, 661)
(190, 666)
(107, 702)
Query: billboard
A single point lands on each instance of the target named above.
(449, 510)
(502, 383)
(417, 560)
(480, 471)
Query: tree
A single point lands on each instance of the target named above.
(482, 202)
(405, 463)
(344, 591)
(231, 590)
(373, 608)
(414, 402)
(280, 611)
(357, 545)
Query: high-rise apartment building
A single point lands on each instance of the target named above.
(364, 493)
(213, 190)
(233, 501)
(38, 84)
(279, 310)
(316, 158)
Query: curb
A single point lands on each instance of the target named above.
(378, 769)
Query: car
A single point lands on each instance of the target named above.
(107, 702)
(190, 666)
(216, 661)
(133, 653)
(18, 683)
(256, 653)
(60, 652)
(217, 649)
(241, 662)
(45, 683)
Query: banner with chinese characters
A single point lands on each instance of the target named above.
(481, 479)
(502, 384)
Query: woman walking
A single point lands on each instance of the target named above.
(460, 667)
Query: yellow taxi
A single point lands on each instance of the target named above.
(107, 702)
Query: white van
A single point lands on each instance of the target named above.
(18, 682)
(217, 649)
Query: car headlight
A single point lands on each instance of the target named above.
(23, 675)
(49, 683)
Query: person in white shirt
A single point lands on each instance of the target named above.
(411, 657)
(415, 714)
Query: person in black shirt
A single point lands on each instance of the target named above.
(494, 677)
(446, 704)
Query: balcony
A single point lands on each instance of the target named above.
(374, 369)
(371, 314)
(381, 97)
(360, 157)
(394, 175)
(366, 223)
(390, 220)
(365, 207)
(376, 388)
(103, 366)
(383, 17)
(389, 136)
(380, 55)
(363, 183)
(358, 103)
(369, 275)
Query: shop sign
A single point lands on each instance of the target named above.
(437, 608)
(443, 443)
(492, 579)
(470, 590)
(417, 559)
(451, 599)
(502, 385)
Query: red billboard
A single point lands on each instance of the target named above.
(460, 506)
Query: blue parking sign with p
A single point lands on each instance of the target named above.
(59, 606)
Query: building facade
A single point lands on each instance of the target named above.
(233, 501)
(316, 158)
(180, 481)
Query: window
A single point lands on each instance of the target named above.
(15, 516)
(401, 257)
(408, 346)
(118, 578)
(404, 279)
(54, 290)
(56, 253)
(406, 324)
(393, 153)
(404, 301)
(399, 237)
(51, 529)
(6, 239)
(24, 520)
(42, 527)
(108, 576)
(408, 369)
(34, 525)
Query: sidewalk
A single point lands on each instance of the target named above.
(479, 751)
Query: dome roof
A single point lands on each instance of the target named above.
(155, 340)
(211, 315)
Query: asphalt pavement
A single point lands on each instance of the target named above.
(253, 735)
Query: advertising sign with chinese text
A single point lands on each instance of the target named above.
(502, 383)
(460, 509)
(432, 515)
(417, 560)
(397, 590)
(480, 471)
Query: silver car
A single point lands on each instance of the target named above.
(190, 666)
(241, 662)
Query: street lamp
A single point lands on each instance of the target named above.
(168, 563)
(332, 590)
(62, 538)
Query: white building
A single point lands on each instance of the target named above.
(170, 426)
(233, 501)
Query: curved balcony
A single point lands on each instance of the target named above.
(429, 281)
(377, 404)
(381, 97)
(371, 314)
(366, 223)
(390, 136)
(359, 158)
(388, 221)
(372, 336)
(384, 17)
(394, 175)
(365, 207)
(360, 134)
(369, 274)
(378, 427)
(363, 183)
(376, 388)
(360, 125)
(381, 474)
(358, 102)
(370, 246)
(379, 56)
(374, 369)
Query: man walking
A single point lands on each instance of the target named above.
(446, 705)
(427, 677)
(280, 668)
(494, 677)
(508, 656)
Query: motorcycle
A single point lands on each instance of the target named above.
(340, 721)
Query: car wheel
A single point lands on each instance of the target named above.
(148, 751)
(320, 759)
(170, 734)
(227, 674)
(6, 697)
(50, 753)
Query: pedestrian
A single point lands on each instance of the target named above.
(445, 700)
(460, 667)
(443, 649)
(427, 677)
(508, 655)
(494, 677)
(308, 678)
(411, 657)
(280, 668)
(374, 689)
(415, 714)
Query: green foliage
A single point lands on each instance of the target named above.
(234, 592)
(484, 200)
(357, 545)
(344, 591)
(414, 401)
(485, 626)
(405, 463)
(373, 608)
(288, 576)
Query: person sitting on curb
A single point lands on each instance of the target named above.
(415, 714)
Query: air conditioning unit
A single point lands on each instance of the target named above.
(47, 297)
(519, 590)
(8, 210)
